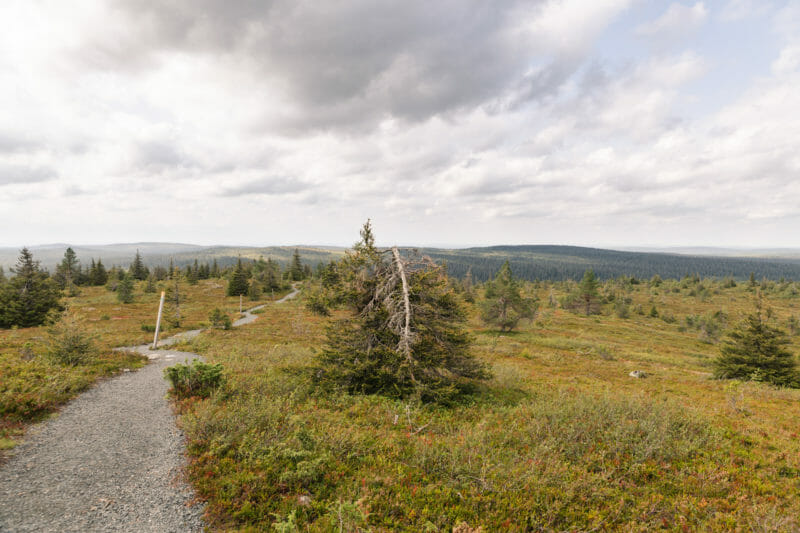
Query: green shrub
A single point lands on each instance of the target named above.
(219, 319)
(125, 290)
(198, 379)
(67, 343)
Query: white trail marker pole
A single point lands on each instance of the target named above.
(158, 321)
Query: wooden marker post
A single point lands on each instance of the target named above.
(158, 321)
(240, 304)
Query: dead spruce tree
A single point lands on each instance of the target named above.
(404, 336)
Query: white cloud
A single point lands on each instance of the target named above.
(788, 61)
(736, 10)
(571, 26)
(676, 22)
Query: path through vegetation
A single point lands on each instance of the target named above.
(109, 461)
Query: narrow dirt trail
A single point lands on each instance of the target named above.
(111, 460)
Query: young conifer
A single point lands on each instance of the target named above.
(125, 289)
(98, 275)
(28, 296)
(755, 351)
(588, 293)
(238, 284)
(138, 270)
(505, 306)
(68, 271)
(296, 271)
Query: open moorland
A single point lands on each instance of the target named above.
(560, 438)
(33, 386)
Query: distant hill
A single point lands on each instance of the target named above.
(767, 253)
(570, 262)
(528, 262)
(160, 254)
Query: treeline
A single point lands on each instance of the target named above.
(31, 296)
(559, 263)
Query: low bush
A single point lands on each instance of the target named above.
(67, 343)
(219, 319)
(197, 379)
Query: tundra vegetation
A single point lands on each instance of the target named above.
(560, 437)
(57, 332)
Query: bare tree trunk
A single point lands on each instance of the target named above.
(405, 338)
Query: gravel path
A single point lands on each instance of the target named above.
(111, 460)
(250, 317)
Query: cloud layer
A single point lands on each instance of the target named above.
(454, 122)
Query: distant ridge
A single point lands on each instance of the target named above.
(554, 262)
(784, 253)
(161, 253)
(557, 262)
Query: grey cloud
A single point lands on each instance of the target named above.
(157, 156)
(74, 190)
(490, 185)
(10, 144)
(540, 85)
(349, 64)
(274, 185)
(657, 210)
(11, 174)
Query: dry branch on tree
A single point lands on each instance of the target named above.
(405, 336)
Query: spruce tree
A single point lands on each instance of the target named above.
(588, 294)
(138, 270)
(99, 275)
(238, 284)
(254, 290)
(125, 289)
(296, 272)
(755, 351)
(214, 270)
(68, 271)
(405, 335)
(272, 275)
(505, 306)
(469, 294)
(28, 296)
(329, 277)
(150, 286)
(191, 273)
(83, 276)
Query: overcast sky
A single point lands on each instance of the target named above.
(448, 122)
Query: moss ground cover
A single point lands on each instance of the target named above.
(560, 439)
(31, 386)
